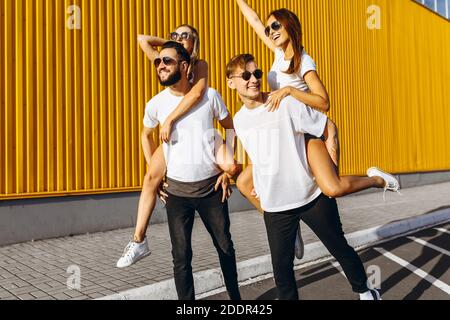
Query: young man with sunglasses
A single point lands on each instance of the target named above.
(275, 143)
(192, 172)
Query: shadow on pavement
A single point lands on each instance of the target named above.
(326, 270)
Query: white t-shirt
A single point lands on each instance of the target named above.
(190, 154)
(277, 78)
(275, 143)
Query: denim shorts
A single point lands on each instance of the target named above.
(311, 137)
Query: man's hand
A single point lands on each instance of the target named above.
(166, 131)
(161, 192)
(332, 148)
(224, 181)
(254, 194)
(332, 143)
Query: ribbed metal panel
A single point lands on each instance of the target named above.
(72, 101)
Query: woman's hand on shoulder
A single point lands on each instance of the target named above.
(275, 98)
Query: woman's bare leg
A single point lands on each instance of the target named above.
(147, 201)
(328, 180)
(245, 186)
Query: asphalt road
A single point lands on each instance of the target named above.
(414, 267)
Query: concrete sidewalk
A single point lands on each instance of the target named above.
(38, 270)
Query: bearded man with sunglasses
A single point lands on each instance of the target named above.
(192, 172)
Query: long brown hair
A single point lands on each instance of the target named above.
(292, 24)
(195, 50)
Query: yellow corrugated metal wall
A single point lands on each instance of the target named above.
(72, 101)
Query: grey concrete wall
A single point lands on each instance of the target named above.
(422, 179)
(26, 220)
(416, 180)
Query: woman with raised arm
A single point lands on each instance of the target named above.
(188, 36)
(294, 74)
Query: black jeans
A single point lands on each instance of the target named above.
(322, 216)
(215, 217)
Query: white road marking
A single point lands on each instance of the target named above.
(429, 245)
(419, 272)
(442, 230)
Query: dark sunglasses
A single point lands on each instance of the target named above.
(275, 26)
(247, 75)
(183, 36)
(166, 60)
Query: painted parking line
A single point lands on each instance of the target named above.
(419, 272)
(442, 230)
(429, 245)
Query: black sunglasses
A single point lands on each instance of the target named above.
(166, 60)
(275, 26)
(247, 75)
(183, 36)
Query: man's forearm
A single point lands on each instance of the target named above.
(234, 171)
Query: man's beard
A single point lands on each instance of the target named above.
(174, 78)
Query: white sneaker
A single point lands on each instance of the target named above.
(133, 253)
(372, 294)
(392, 184)
(299, 246)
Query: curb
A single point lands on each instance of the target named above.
(211, 280)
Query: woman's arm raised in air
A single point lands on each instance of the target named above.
(148, 44)
(256, 23)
